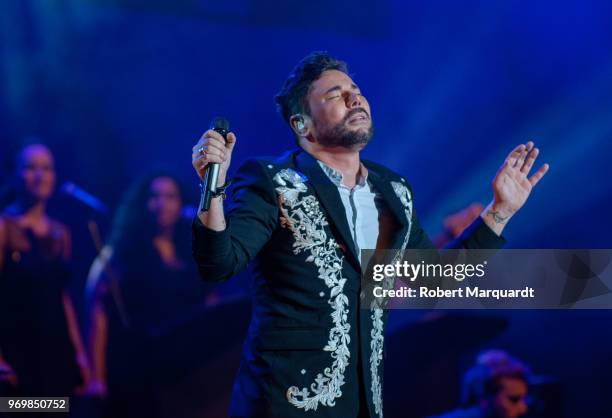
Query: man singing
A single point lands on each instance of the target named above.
(302, 220)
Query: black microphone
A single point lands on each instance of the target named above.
(209, 185)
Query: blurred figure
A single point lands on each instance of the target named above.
(455, 224)
(496, 387)
(141, 288)
(41, 351)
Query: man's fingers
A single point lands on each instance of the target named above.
(207, 143)
(205, 138)
(215, 147)
(231, 141)
(208, 150)
(213, 155)
(524, 152)
(538, 175)
(530, 160)
(211, 148)
(213, 135)
(515, 154)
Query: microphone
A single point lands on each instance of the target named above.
(86, 198)
(209, 185)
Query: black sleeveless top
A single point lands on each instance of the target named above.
(160, 304)
(34, 337)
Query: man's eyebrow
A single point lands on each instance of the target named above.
(333, 89)
(353, 87)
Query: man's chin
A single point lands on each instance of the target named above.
(358, 147)
(362, 136)
(357, 144)
(353, 138)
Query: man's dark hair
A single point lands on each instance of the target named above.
(484, 379)
(292, 97)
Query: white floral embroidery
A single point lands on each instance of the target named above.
(403, 194)
(377, 334)
(307, 222)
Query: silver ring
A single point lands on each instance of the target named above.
(201, 150)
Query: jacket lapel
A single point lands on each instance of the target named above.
(329, 198)
(382, 184)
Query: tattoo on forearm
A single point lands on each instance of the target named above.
(497, 217)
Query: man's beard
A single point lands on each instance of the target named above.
(342, 136)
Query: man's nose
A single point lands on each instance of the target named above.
(353, 100)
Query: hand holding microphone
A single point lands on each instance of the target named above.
(211, 158)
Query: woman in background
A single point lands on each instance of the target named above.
(41, 351)
(143, 287)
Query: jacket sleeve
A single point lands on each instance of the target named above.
(477, 235)
(251, 218)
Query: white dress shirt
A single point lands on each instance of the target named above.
(360, 206)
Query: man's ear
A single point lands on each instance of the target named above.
(299, 124)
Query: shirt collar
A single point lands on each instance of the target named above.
(336, 176)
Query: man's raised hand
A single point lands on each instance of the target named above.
(512, 185)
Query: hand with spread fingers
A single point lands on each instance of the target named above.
(512, 185)
(212, 148)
